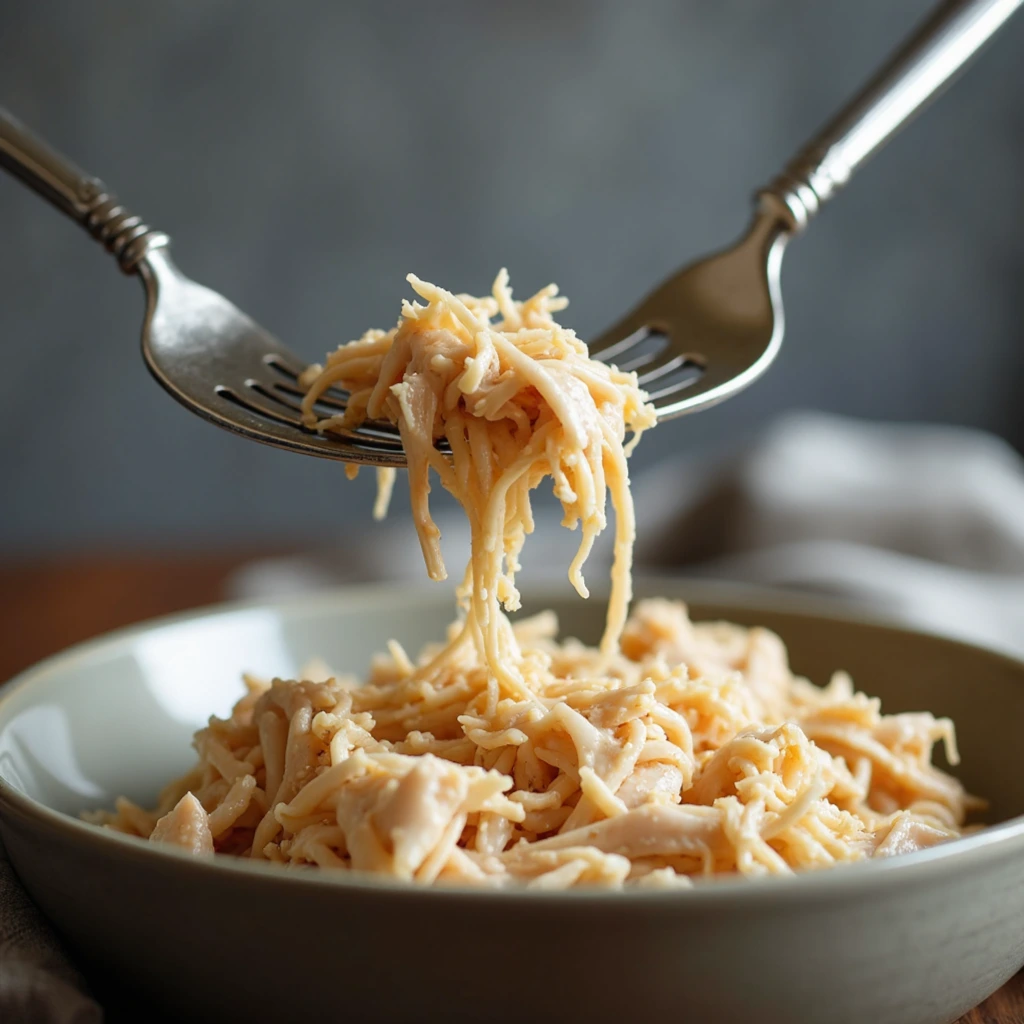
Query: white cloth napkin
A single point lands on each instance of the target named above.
(924, 524)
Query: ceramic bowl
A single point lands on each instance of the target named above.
(912, 940)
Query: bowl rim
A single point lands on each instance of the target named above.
(994, 842)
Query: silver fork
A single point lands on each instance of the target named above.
(716, 326)
(702, 336)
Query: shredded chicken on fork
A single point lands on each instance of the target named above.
(518, 401)
(671, 752)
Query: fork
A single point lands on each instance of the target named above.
(699, 338)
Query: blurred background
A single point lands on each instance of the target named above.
(306, 157)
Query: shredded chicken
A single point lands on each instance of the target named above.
(674, 750)
(186, 825)
(518, 401)
(637, 770)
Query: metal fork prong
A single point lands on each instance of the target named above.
(378, 428)
(639, 362)
(263, 402)
(661, 370)
(336, 401)
(680, 384)
(276, 415)
(275, 394)
(287, 397)
(351, 448)
(384, 435)
(368, 441)
(287, 364)
(331, 399)
(613, 344)
(714, 384)
(255, 399)
(335, 405)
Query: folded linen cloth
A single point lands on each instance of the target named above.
(38, 983)
(923, 524)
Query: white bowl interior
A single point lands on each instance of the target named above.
(117, 716)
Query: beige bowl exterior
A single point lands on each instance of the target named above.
(915, 940)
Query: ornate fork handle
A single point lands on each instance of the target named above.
(915, 74)
(83, 198)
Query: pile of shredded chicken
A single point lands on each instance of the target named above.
(501, 756)
(693, 752)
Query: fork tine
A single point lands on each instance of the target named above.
(675, 386)
(649, 349)
(637, 363)
(253, 400)
(283, 395)
(273, 393)
(667, 367)
(626, 334)
(353, 447)
(285, 362)
(260, 400)
(713, 385)
(332, 406)
(333, 398)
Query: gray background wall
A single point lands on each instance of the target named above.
(306, 156)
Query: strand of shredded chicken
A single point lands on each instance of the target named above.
(672, 751)
(694, 752)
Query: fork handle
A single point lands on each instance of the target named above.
(83, 198)
(915, 74)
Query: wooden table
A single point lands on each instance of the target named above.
(45, 606)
